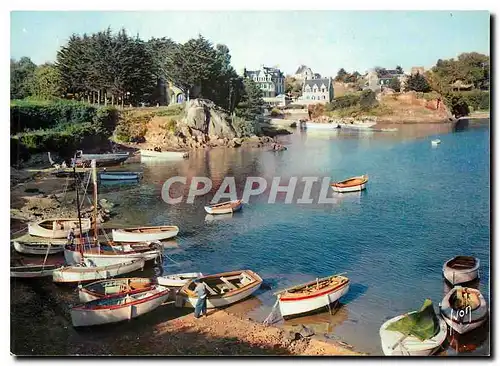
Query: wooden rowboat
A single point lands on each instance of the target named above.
(115, 286)
(101, 159)
(461, 269)
(117, 308)
(32, 271)
(464, 309)
(312, 295)
(37, 248)
(164, 155)
(119, 175)
(436, 142)
(58, 227)
(351, 185)
(145, 233)
(224, 207)
(223, 289)
(89, 272)
(178, 280)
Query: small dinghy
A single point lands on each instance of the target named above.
(350, 185)
(224, 207)
(223, 289)
(436, 142)
(116, 286)
(178, 279)
(32, 271)
(37, 248)
(464, 309)
(58, 228)
(117, 308)
(418, 333)
(164, 155)
(145, 233)
(89, 272)
(313, 295)
(461, 269)
(119, 175)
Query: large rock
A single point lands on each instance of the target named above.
(204, 117)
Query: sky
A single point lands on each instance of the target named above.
(323, 40)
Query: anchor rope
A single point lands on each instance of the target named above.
(270, 317)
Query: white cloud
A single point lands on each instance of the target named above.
(25, 30)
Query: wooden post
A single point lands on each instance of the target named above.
(93, 164)
(78, 207)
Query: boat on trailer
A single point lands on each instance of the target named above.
(350, 185)
(417, 333)
(118, 308)
(87, 271)
(115, 286)
(37, 248)
(223, 289)
(464, 309)
(32, 271)
(178, 279)
(224, 207)
(58, 227)
(461, 269)
(313, 295)
(145, 233)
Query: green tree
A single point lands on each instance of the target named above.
(399, 69)
(46, 82)
(21, 77)
(341, 75)
(293, 86)
(251, 104)
(417, 83)
(395, 84)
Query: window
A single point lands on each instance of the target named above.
(323, 90)
(324, 96)
(313, 97)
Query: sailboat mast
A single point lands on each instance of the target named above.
(78, 206)
(94, 181)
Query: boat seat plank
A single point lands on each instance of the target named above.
(211, 290)
(231, 286)
(232, 277)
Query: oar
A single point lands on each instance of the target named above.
(321, 279)
(398, 342)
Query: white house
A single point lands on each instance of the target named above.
(317, 91)
(270, 80)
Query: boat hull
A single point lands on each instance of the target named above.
(223, 210)
(102, 259)
(457, 276)
(295, 307)
(320, 126)
(349, 189)
(164, 155)
(117, 176)
(358, 126)
(84, 274)
(31, 271)
(82, 316)
(411, 345)
(178, 280)
(36, 230)
(466, 321)
(126, 236)
(37, 249)
(106, 288)
(220, 302)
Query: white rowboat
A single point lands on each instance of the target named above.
(115, 286)
(312, 295)
(350, 185)
(166, 155)
(145, 233)
(224, 207)
(118, 308)
(436, 142)
(223, 289)
(464, 314)
(37, 249)
(32, 271)
(357, 125)
(110, 257)
(86, 273)
(461, 269)
(117, 175)
(58, 227)
(178, 279)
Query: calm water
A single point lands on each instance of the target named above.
(423, 205)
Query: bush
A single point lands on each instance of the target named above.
(367, 100)
(245, 128)
(295, 106)
(316, 110)
(345, 101)
(457, 104)
(172, 110)
(477, 99)
(275, 112)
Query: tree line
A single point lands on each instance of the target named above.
(118, 69)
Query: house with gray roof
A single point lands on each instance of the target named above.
(317, 91)
(270, 80)
(305, 73)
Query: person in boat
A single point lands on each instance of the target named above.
(71, 236)
(201, 304)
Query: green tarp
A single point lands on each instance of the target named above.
(422, 324)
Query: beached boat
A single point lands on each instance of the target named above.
(118, 175)
(117, 308)
(101, 159)
(464, 309)
(103, 256)
(350, 185)
(313, 295)
(436, 142)
(461, 269)
(32, 271)
(320, 126)
(145, 233)
(115, 286)
(223, 289)
(224, 207)
(166, 155)
(417, 333)
(87, 271)
(178, 279)
(37, 248)
(57, 227)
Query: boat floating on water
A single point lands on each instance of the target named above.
(32, 271)
(178, 279)
(313, 295)
(417, 333)
(115, 286)
(166, 155)
(119, 175)
(101, 159)
(224, 207)
(58, 227)
(461, 269)
(117, 308)
(464, 309)
(436, 142)
(37, 248)
(145, 233)
(350, 185)
(223, 289)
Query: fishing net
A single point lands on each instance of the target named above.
(422, 324)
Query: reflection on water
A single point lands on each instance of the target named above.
(468, 342)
